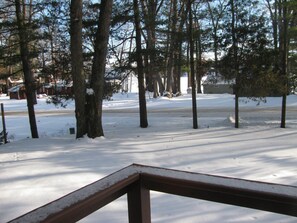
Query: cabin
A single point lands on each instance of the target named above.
(47, 89)
(17, 92)
(59, 87)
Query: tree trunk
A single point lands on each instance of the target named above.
(179, 66)
(28, 75)
(160, 84)
(77, 66)
(235, 68)
(150, 11)
(283, 57)
(273, 17)
(199, 59)
(191, 41)
(171, 50)
(95, 96)
(214, 35)
(142, 102)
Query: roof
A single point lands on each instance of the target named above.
(20, 81)
(59, 84)
(16, 88)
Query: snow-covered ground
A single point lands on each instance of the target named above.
(37, 171)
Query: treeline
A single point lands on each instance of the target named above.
(250, 41)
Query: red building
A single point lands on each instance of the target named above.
(17, 92)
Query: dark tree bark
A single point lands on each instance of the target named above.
(175, 31)
(142, 102)
(171, 47)
(149, 9)
(199, 69)
(191, 41)
(95, 96)
(283, 38)
(25, 57)
(182, 15)
(77, 66)
(235, 64)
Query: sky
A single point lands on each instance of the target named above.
(37, 171)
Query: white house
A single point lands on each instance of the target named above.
(130, 84)
(214, 83)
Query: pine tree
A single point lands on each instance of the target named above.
(95, 96)
(142, 101)
(24, 21)
(191, 42)
(79, 81)
(244, 61)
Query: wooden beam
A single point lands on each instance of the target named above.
(139, 203)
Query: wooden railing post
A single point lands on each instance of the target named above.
(139, 209)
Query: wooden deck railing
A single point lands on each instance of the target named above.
(136, 181)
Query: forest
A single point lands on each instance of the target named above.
(91, 43)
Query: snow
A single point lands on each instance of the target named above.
(37, 171)
(90, 91)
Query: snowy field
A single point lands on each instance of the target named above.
(37, 171)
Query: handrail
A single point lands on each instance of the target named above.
(137, 180)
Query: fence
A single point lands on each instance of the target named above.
(136, 181)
